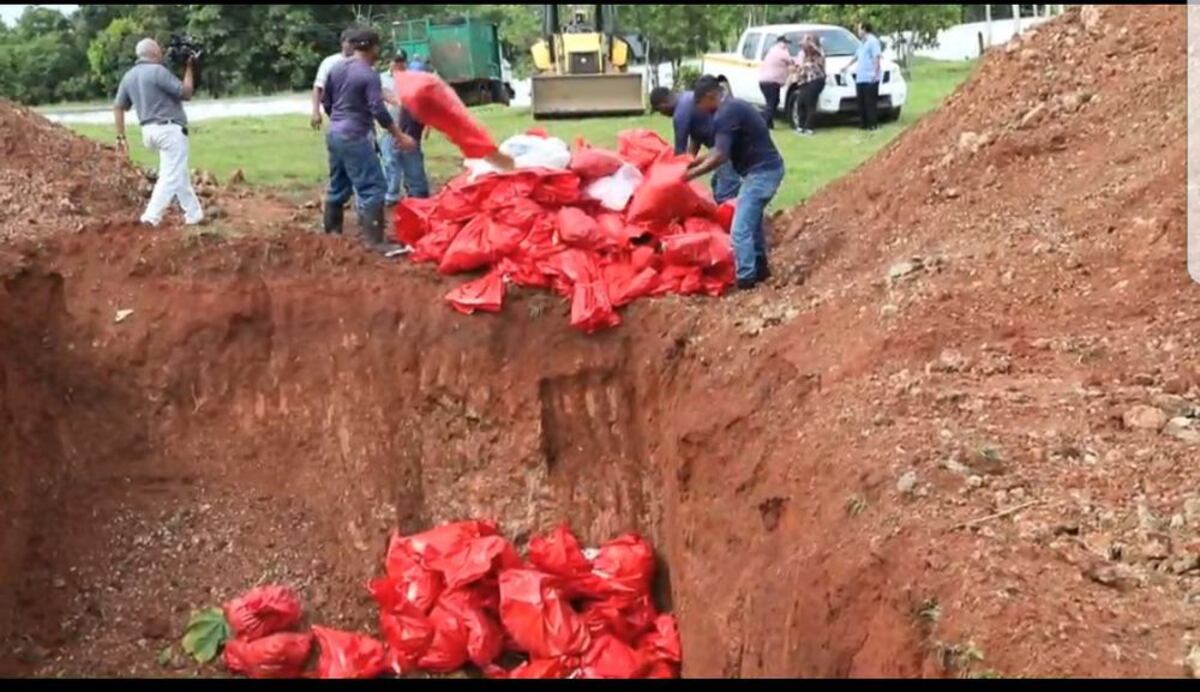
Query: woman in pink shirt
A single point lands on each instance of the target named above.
(773, 76)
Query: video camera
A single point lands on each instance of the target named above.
(183, 47)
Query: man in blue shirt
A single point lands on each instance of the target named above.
(869, 61)
(352, 99)
(402, 168)
(694, 129)
(740, 137)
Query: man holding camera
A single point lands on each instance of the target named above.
(158, 96)
(353, 98)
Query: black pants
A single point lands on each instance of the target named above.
(868, 104)
(770, 92)
(809, 95)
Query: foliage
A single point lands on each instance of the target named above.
(260, 49)
(206, 633)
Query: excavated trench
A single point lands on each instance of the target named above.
(239, 426)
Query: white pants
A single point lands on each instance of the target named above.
(173, 178)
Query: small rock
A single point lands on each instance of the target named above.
(1175, 385)
(951, 193)
(1182, 429)
(1173, 405)
(312, 204)
(59, 583)
(1031, 117)
(1120, 577)
(1144, 418)
(975, 481)
(968, 141)
(122, 315)
(951, 360)
(889, 311)
(1072, 102)
(907, 483)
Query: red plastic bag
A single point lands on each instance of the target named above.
(626, 564)
(538, 132)
(593, 164)
(612, 229)
(485, 639)
(702, 250)
(577, 229)
(556, 188)
(537, 617)
(434, 103)
(540, 669)
(591, 308)
(665, 196)
(697, 224)
(642, 147)
(476, 559)
(609, 658)
(625, 620)
(412, 219)
(502, 240)
(523, 271)
(725, 214)
(263, 611)
(661, 644)
(432, 246)
(349, 656)
(442, 540)
(416, 591)
(644, 258)
(480, 295)
(408, 636)
(278, 656)
(521, 213)
(469, 251)
(626, 283)
(559, 554)
(502, 190)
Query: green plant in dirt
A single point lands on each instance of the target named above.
(957, 658)
(207, 631)
(856, 505)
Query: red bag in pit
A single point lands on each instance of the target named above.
(521, 214)
(665, 196)
(593, 164)
(480, 295)
(408, 638)
(592, 309)
(475, 559)
(702, 250)
(642, 147)
(463, 631)
(609, 658)
(480, 243)
(559, 554)
(428, 545)
(262, 611)
(349, 656)
(537, 617)
(623, 619)
(557, 188)
(661, 644)
(412, 219)
(277, 656)
(432, 246)
(626, 284)
(539, 669)
(626, 564)
(434, 103)
(577, 229)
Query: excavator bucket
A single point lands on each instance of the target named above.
(587, 95)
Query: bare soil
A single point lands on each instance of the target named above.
(917, 453)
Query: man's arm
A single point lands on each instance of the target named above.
(189, 80)
(378, 107)
(171, 84)
(318, 95)
(693, 147)
(878, 61)
(119, 123)
(718, 154)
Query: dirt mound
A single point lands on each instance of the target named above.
(951, 439)
(53, 180)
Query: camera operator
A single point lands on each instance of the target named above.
(158, 96)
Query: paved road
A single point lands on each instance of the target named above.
(257, 107)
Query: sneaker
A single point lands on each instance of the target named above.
(743, 285)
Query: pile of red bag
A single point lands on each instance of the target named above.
(460, 595)
(538, 228)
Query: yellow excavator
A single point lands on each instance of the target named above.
(583, 67)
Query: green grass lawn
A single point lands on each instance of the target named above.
(284, 153)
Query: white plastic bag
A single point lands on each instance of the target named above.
(614, 192)
(527, 151)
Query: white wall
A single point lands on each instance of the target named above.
(962, 42)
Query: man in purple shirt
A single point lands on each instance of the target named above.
(353, 99)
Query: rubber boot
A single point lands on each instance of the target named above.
(334, 216)
(372, 228)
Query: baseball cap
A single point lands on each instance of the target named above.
(363, 38)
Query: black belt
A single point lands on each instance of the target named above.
(167, 122)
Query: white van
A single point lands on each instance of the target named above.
(839, 96)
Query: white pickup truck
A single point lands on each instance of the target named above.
(839, 96)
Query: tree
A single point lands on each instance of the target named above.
(111, 53)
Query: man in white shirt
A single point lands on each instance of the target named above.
(323, 74)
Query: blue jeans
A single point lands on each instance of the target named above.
(726, 183)
(749, 239)
(403, 168)
(354, 170)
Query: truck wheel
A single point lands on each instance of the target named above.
(891, 116)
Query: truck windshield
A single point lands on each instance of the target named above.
(836, 42)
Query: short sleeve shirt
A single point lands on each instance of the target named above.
(740, 133)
